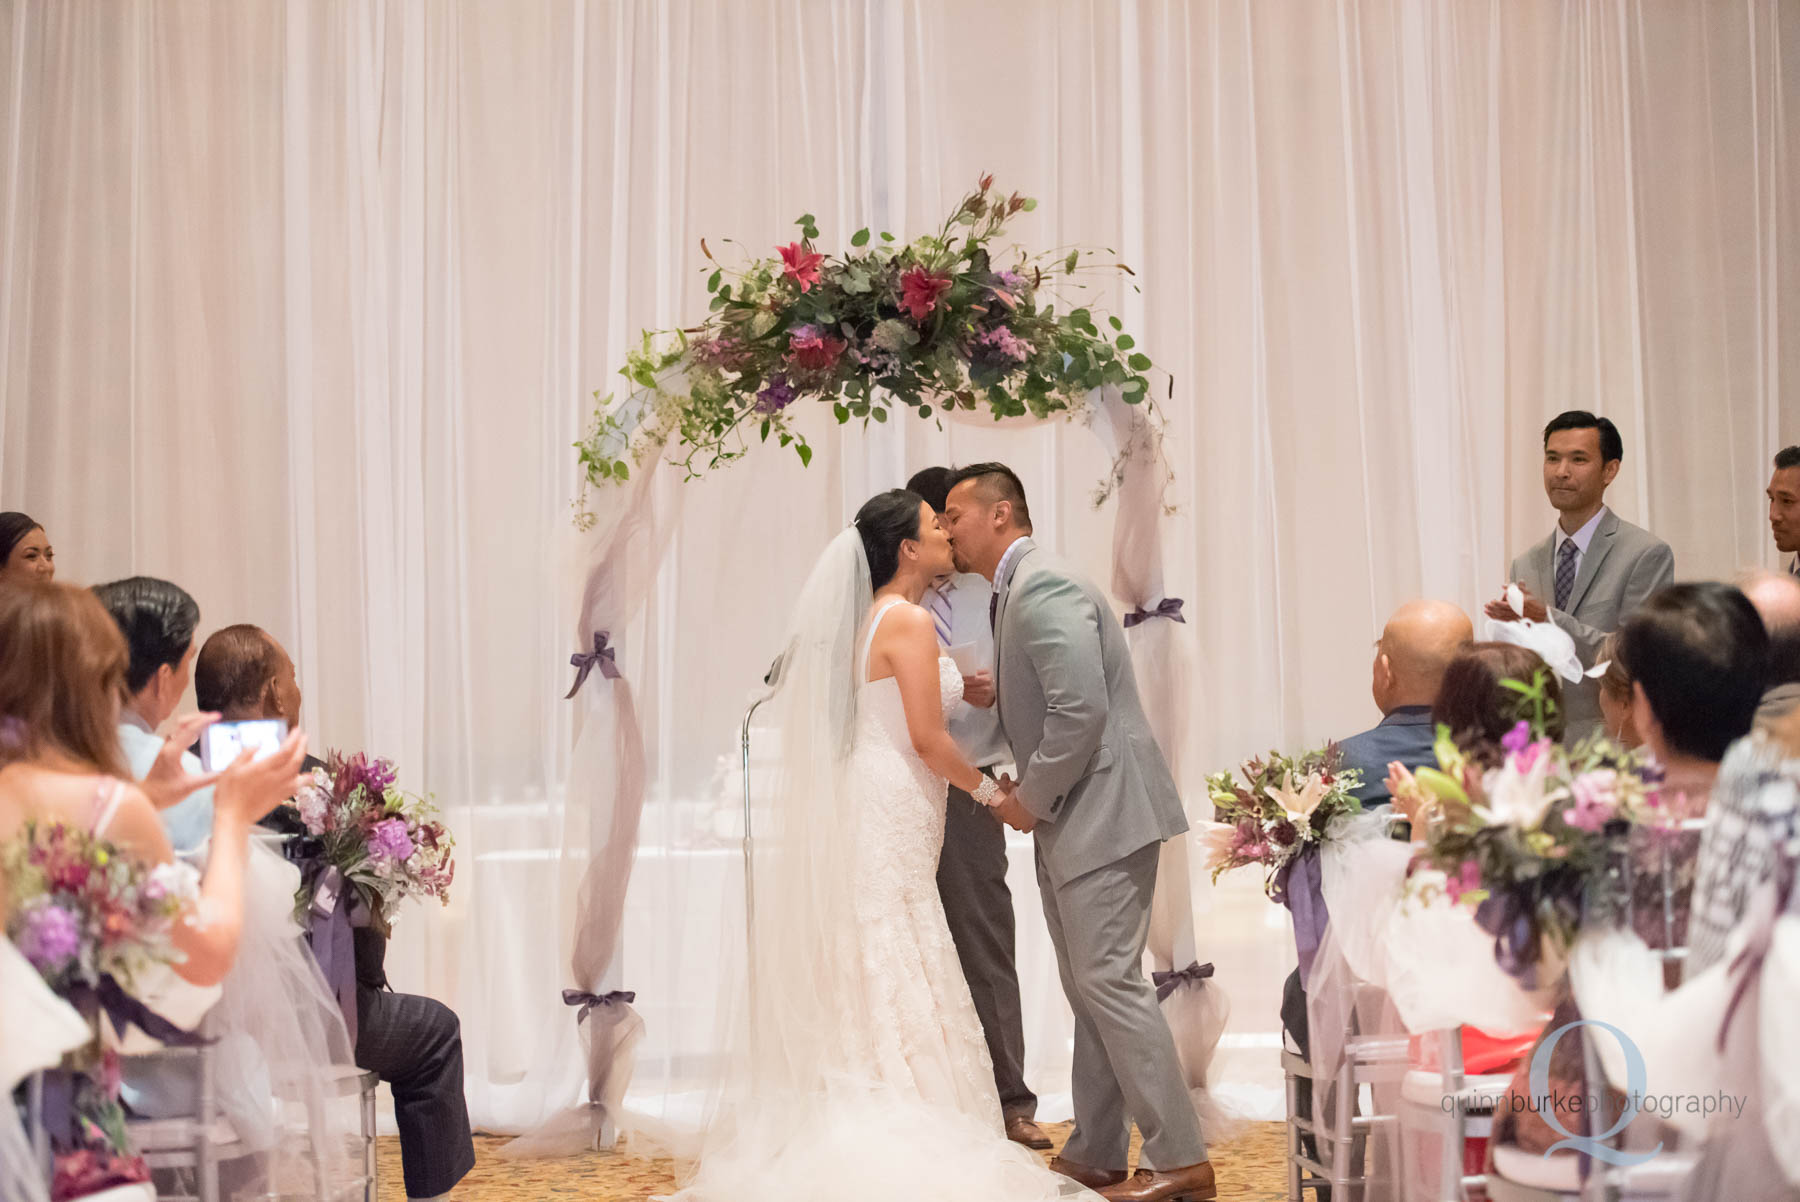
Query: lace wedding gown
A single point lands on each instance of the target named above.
(891, 1098)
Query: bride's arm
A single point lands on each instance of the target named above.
(911, 650)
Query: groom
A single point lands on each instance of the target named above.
(1094, 786)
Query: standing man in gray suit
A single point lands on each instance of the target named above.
(971, 876)
(1095, 789)
(1595, 568)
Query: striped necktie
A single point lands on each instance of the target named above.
(1565, 572)
(937, 600)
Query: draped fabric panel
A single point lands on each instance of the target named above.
(302, 306)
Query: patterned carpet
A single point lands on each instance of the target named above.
(1249, 1170)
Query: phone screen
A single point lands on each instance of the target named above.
(223, 742)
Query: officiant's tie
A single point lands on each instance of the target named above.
(993, 608)
(937, 600)
(1565, 572)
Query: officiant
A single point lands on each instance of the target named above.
(972, 868)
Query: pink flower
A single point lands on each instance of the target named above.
(919, 292)
(1596, 800)
(800, 265)
(1466, 881)
(812, 350)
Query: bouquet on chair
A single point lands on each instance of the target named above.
(375, 847)
(1523, 841)
(1283, 810)
(97, 926)
(376, 844)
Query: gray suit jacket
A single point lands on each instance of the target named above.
(1089, 768)
(1623, 567)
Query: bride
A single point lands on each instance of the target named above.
(858, 1060)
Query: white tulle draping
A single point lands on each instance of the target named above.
(302, 306)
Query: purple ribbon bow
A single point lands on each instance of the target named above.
(586, 661)
(1299, 885)
(1168, 607)
(1168, 982)
(126, 1012)
(587, 1001)
(335, 909)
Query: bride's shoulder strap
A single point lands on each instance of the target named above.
(880, 612)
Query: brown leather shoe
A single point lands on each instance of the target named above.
(1192, 1184)
(1021, 1130)
(1081, 1174)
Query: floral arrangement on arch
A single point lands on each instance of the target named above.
(1284, 808)
(1524, 842)
(386, 844)
(949, 320)
(95, 924)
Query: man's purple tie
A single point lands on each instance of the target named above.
(937, 600)
(993, 609)
(1565, 572)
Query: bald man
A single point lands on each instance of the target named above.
(1776, 596)
(1415, 647)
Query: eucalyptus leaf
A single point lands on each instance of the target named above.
(860, 238)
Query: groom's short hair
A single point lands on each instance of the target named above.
(998, 483)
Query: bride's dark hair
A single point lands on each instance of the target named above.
(885, 521)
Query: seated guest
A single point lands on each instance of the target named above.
(158, 621)
(1697, 654)
(1615, 695)
(1480, 710)
(60, 682)
(412, 1043)
(243, 674)
(1416, 646)
(1776, 596)
(25, 550)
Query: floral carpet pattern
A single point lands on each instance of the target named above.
(1249, 1170)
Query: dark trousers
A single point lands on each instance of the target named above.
(415, 1045)
(971, 881)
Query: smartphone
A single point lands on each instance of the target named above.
(223, 742)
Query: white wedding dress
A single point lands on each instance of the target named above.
(858, 1065)
(928, 1037)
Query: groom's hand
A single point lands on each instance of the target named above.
(1011, 810)
(978, 689)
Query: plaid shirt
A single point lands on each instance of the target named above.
(1753, 820)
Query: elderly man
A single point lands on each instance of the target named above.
(1784, 506)
(1776, 596)
(413, 1043)
(1416, 646)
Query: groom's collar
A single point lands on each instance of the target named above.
(1018, 547)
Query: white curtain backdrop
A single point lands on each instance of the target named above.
(301, 306)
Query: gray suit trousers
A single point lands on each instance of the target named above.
(1125, 1063)
(971, 879)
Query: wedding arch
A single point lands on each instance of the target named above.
(949, 326)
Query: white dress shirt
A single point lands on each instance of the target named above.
(976, 730)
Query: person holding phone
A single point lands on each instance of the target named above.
(413, 1043)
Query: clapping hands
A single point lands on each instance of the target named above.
(1009, 809)
(169, 782)
(1532, 609)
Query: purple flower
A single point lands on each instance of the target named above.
(1517, 739)
(776, 395)
(50, 938)
(389, 840)
(377, 776)
(1012, 281)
